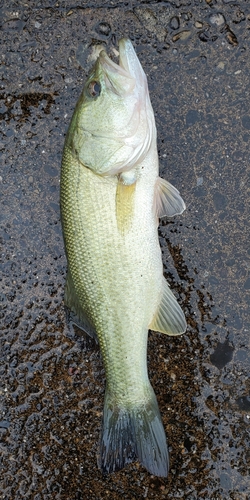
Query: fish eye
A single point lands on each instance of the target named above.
(94, 89)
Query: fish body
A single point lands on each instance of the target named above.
(111, 198)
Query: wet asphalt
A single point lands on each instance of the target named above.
(196, 57)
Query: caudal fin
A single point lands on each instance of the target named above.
(131, 433)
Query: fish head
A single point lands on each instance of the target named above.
(113, 124)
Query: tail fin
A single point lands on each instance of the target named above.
(134, 432)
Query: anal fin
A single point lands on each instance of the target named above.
(76, 313)
(169, 317)
(167, 199)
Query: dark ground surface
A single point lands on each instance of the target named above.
(196, 56)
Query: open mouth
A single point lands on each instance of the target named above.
(129, 66)
(122, 67)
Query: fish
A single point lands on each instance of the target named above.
(111, 199)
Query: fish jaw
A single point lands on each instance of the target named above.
(129, 61)
(115, 77)
(128, 76)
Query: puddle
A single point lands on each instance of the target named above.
(52, 380)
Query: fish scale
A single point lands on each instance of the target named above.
(119, 313)
(111, 198)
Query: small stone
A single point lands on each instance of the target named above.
(186, 16)
(175, 23)
(198, 24)
(182, 35)
(30, 179)
(217, 19)
(103, 29)
(231, 38)
(206, 36)
(221, 66)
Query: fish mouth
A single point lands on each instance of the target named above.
(126, 76)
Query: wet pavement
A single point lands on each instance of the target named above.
(196, 56)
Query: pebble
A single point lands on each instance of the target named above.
(217, 19)
(183, 35)
(221, 65)
(103, 29)
(175, 23)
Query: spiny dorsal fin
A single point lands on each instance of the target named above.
(169, 317)
(167, 199)
(125, 197)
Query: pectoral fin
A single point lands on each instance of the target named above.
(125, 195)
(167, 199)
(76, 313)
(169, 317)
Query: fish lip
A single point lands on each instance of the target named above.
(125, 50)
(129, 67)
(110, 66)
(129, 61)
(115, 76)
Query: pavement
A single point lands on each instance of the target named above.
(196, 57)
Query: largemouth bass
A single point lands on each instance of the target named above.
(111, 199)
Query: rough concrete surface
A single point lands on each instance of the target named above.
(196, 56)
